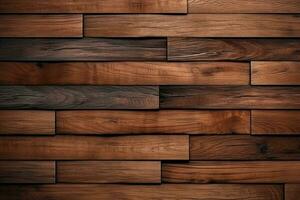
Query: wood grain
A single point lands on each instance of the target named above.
(27, 122)
(27, 172)
(292, 191)
(108, 172)
(229, 97)
(41, 25)
(192, 25)
(147, 122)
(232, 172)
(87, 49)
(124, 73)
(95, 148)
(237, 49)
(275, 73)
(79, 97)
(244, 148)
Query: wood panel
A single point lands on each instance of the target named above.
(27, 172)
(41, 25)
(79, 97)
(275, 73)
(230, 97)
(238, 49)
(161, 122)
(244, 148)
(108, 172)
(87, 49)
(125, 73)
(292, 191)
(95, 148)
(232, 172)
(192, 25)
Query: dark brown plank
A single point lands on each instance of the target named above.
(27, 172)
(125, 73)
(108, 172)
(41, 25)
(229, 97)
(244, 148)
(95, 148)
(88, 49)
(292, 191)
(145, 122)
(192, 25)
(232, 172)
(79, 97)
(238, 49)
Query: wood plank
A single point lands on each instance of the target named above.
(79, 97)
(124, 73)
(275, 73)
(137, 192)
(143, 147)
(265, 122)
(242, 147)
(229, 97)
(41, 25)
(93, 6)
(292, 191)
(108, 172)
(159, 122)
(27, 172)
(232, 172)
(87, 49)
(238, 49)
(192, 25)
(27, 122)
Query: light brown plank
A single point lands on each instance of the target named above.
(108, 172)
(292, 191)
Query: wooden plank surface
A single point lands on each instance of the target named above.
(41, 25)
(229, 97)
(237, 49)
(232, 172)
(292, 191)
(87, 49)
(27, 172)
(95, 148)
(27, 122)
(192, 25)
(108, 172)
(244, 148)
(79, 97)
(147, 122)
(124, 73)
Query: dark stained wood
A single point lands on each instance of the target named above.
(244, 148)
(27, 172)
(230, 97)
(292, 191)
(238, 49)
(125, 73)
(88, 49)
(146, 122)
(79, 97)
(27, 122)
(232, 172)
(95, 148)
(108, 172)
(41, 25)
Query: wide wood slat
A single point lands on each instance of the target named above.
(292, 191)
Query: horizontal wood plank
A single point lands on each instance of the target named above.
(292, 191)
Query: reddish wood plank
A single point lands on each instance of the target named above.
(292, 191)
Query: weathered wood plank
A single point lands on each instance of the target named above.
(292, 191)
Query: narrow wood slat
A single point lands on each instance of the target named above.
(192, 25)
(41, 25)
(79, 97)
(27, 172)
(237, 49)
(108, 172)
(229, 97)
(146, 122)
(95, 148)
(244, 148)
(292, 191)
(124, 73)
(232, 172)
